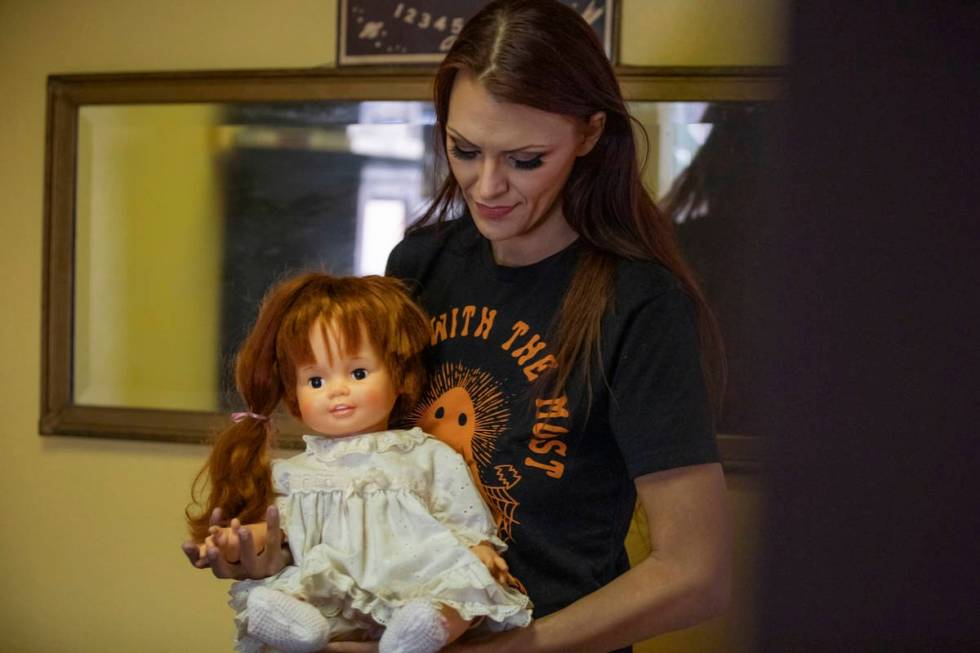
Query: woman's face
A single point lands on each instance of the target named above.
(511, 162)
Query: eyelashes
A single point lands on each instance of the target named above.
(528, 164)
(520, 164)
(461, 154)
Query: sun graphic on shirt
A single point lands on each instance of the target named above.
(465, 409)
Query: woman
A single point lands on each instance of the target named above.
(589, 344)
(568, 341)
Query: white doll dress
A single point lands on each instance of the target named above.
(377, 520)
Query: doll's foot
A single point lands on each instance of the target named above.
(286, 623)
(416, 627)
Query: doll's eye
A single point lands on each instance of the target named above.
(315, 382)
(359, 374)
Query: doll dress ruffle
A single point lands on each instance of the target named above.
(377, 520)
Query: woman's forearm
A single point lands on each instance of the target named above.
(686, 578)
(652, 598)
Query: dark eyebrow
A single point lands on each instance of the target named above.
(459, 138)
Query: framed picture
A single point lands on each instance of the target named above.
(422, 31)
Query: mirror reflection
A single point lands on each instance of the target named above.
(186, 213)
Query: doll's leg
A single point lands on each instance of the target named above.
(286, 623)
(420, 627)
(455, 624)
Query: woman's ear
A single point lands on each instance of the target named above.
(591, 133)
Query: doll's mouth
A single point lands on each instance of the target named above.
(342, 409)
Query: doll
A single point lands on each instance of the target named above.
(385, 527)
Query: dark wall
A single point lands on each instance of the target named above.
(871, 289)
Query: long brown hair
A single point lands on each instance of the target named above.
(542, 54)
(237, 476)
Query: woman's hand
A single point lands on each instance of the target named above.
(265, 562)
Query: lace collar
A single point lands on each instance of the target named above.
(325, 448)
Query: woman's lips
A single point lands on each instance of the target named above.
(493, 212)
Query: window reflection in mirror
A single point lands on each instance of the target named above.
(186, 213)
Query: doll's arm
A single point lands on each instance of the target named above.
(228, 539)
(496, 565)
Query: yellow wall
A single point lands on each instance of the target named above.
(148, 226)
(703, 32)
(91, 562)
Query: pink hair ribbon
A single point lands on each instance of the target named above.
(238, 417)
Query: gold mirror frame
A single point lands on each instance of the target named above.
(66, 94)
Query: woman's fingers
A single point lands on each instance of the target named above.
(273, 534)
(250, 561)
(217, 518)
(221, 568)
(251, 564)
(195, 554)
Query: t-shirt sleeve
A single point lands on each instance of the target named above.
(395, 266)
(412, 257)
(660, 413)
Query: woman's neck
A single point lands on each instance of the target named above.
(547, 238)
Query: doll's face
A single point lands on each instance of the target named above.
(343, 392)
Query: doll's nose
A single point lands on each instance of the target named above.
(338, 389)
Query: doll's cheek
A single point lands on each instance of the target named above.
(306, 407)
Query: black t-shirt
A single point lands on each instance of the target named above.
(557, 473)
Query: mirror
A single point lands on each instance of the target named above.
(175, 200)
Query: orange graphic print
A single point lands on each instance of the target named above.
(465, 409)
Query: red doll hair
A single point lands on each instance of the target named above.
(238, 474)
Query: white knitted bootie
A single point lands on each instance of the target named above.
(416, 627)
(286, 623)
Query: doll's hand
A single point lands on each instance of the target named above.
(496, 565)
(225, 539)
(255, 561)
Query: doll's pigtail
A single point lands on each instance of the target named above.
(237, 476)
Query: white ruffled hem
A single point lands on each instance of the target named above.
(468, 589)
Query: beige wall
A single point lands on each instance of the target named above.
(91, 561)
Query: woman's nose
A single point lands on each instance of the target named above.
(493, 180)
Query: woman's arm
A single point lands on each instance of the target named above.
(685, 580)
